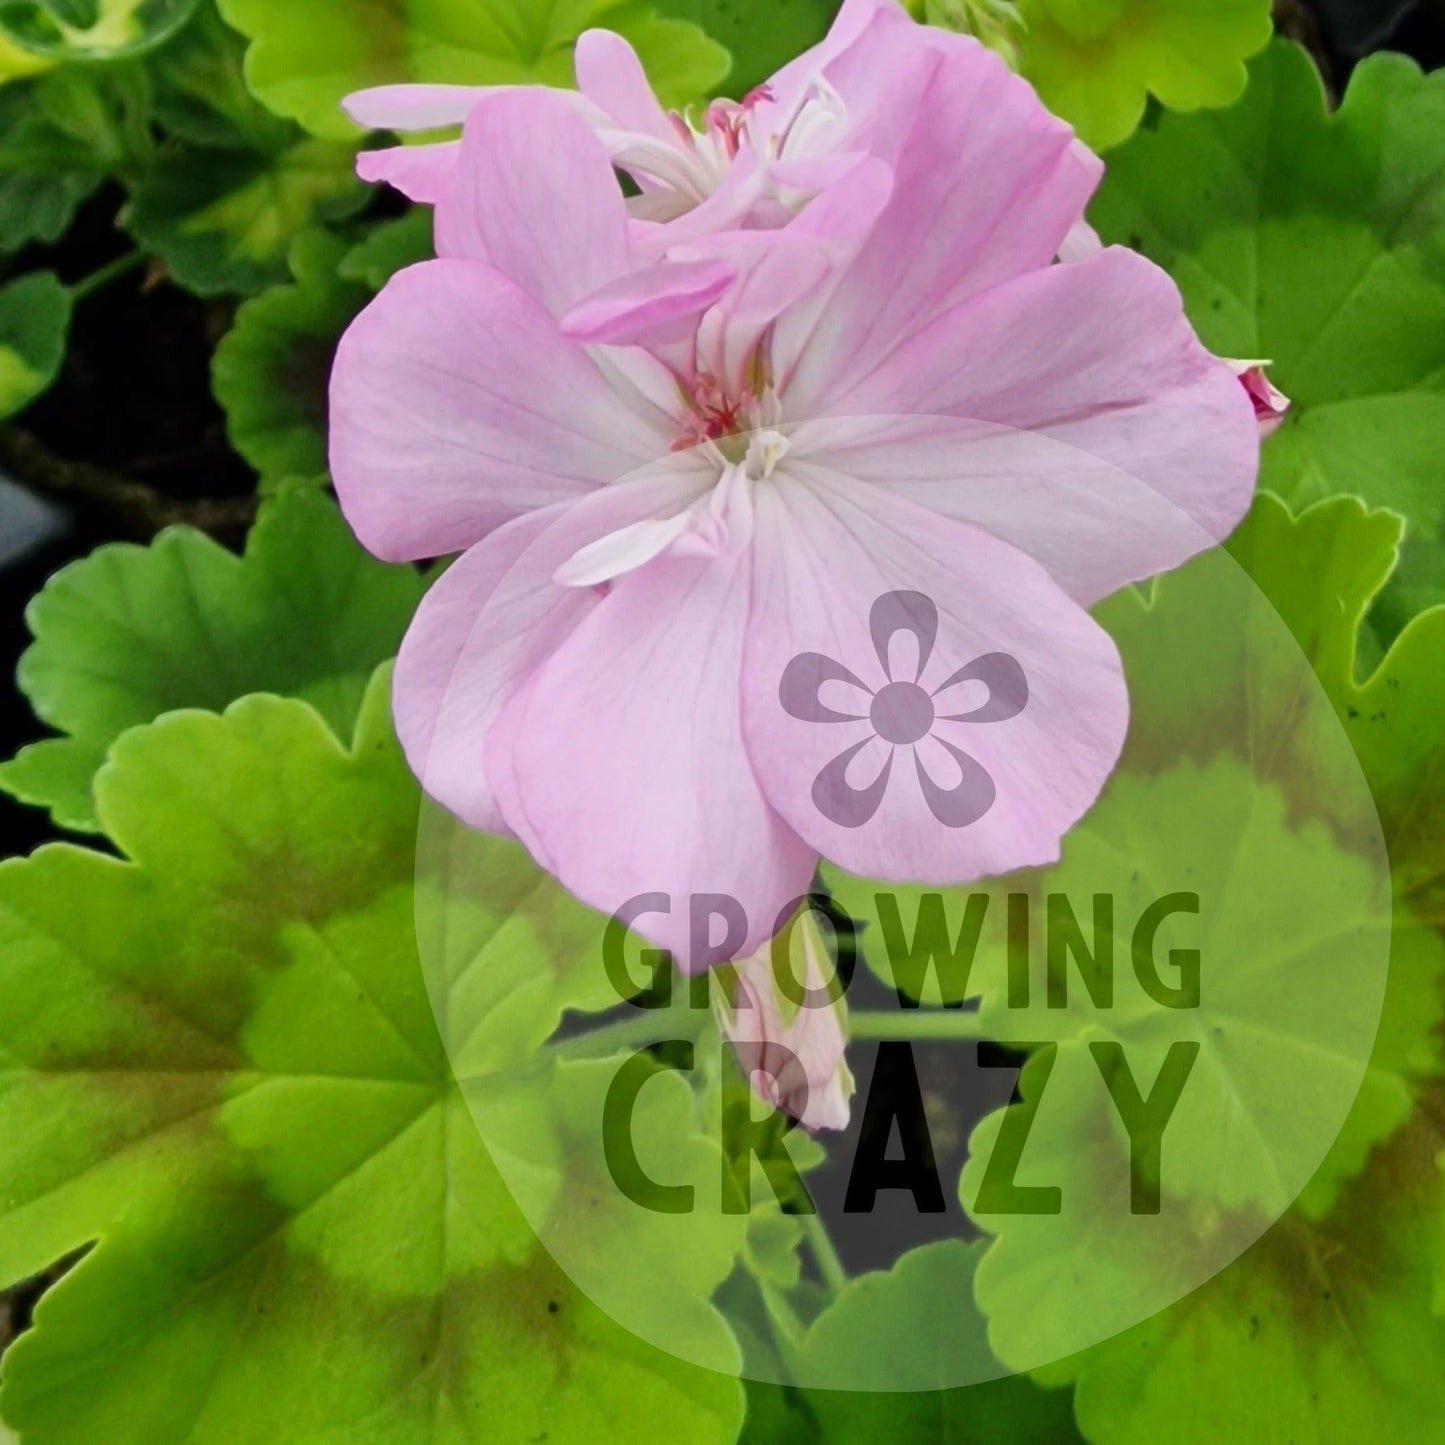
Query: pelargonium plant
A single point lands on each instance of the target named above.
(734, 722)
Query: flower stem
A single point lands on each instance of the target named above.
(100, 278)
(787, 1327)
(140, 509)
(825, 1255)
(941, 1024)
(640, 1028)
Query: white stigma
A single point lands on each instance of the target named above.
(765, 450)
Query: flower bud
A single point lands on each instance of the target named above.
(790, 1051)
(1270, 403)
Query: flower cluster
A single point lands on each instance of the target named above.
(850, 337)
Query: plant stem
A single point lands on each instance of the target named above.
(636, 1031)
(825, 1255)
(141, 510)
(99, 279)
(939, 1024)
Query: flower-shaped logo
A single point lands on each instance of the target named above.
(904, 714)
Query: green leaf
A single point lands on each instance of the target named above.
(762, 37)
(1229, 736)
(1222, 668)
(387, 247)
(861, 899)
(271, 369)
(1394, 722)
(79, 14)
(1319, 572)
(16, 63)
(1097, 62)
(34, 321)
(304, 60)
(91, 30)
(769, 1253)
(227, 1071)
(223, 221)
(61, 135)
(893, 1318)
(45, 172)
(1322, 1331)
(201, 93)
(234, 185)
(1323, 1327)
(132, 632)
(1292, 1085)
(776, 1416)
(1317, 242)
(56, 773)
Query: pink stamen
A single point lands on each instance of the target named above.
(729, 118)
(714, 414)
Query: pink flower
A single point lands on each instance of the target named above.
(671, 468)
(789, 1032)
(752, 163)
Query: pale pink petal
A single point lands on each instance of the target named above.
(1072, 412)
(413, 107)
(645, 385)
(816, 173)
(848, 27)
(839, 221)
(775, 270)
(649, 303)
(728, 208)
(987, 186)
(622, 551)
(456, 403)
(493, 616)
(406, 108)
(781, 271)
(502, 747)
(537, 198)
(623, 759)
(445, 696)
(421, 172)
(1080, 244)
(825, 554)
(611, 76)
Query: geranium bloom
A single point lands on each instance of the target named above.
(672, 467)
(753, 162)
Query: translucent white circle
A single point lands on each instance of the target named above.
(1197, 984)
